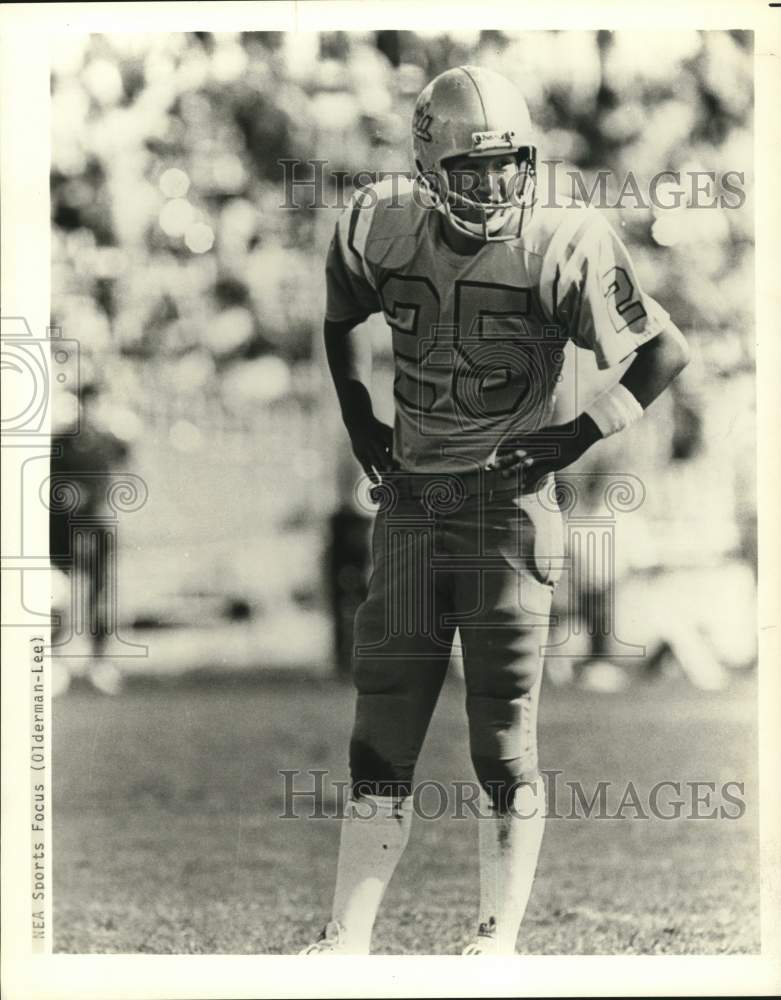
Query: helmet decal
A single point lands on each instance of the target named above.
(485, 141)
(421, 123)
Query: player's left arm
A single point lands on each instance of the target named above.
(657, 362)
(610, 315)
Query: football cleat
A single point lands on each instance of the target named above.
(330, 941)
(485, 942)
(474, 112)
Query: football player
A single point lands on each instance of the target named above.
(482, 290)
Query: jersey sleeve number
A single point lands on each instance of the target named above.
(619, 291)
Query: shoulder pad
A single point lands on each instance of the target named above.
(397, 221)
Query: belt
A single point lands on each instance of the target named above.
(441, 486)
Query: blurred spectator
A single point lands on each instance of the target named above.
(85, 450)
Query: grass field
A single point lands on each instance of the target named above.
(167, 836)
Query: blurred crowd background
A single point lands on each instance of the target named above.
(197, 298)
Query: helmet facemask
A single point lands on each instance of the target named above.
(493, 217)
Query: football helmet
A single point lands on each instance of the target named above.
(473, 112)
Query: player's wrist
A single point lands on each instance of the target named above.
(614, 410)
(588, 430)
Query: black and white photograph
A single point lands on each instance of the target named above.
(389, 500)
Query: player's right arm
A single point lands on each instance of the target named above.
(351, 298)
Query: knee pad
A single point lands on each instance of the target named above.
(379, 761)
(501, 779)
(393, 709)
(503, 744)
(373, 772)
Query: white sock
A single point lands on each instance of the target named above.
(374, 834)
(509, 847)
